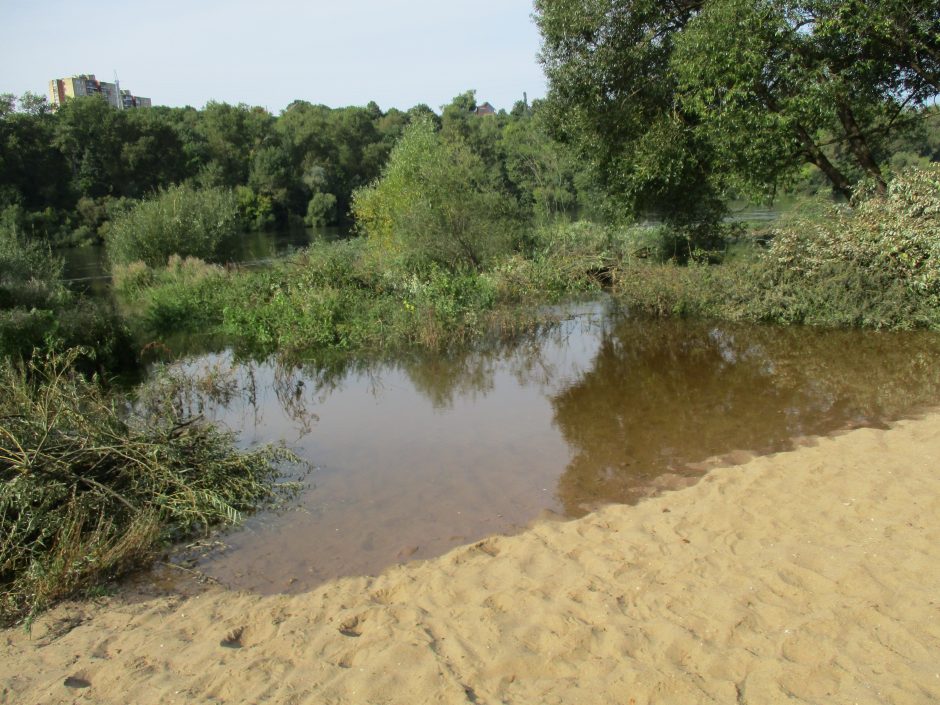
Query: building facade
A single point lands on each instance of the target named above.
(61, 89)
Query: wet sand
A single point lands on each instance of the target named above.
(811, 576)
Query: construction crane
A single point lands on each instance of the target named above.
(117, 89)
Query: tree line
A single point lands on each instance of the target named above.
(66, 174)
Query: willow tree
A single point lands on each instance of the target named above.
(679, 101)
(437, 202)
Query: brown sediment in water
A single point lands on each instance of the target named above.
(809, 576)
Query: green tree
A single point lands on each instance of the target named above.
(542, 171)
(232, 135)
(33, 173)
(437, 202)
(679, 101)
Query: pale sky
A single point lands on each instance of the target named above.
(270, 52)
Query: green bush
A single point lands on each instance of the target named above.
(87, 492)
(37, 311)
(180, 220)
(874, 266)
(321, 209)
(436, 202)
(330, 299)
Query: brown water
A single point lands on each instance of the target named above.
(415, 457)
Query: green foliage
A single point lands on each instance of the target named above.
(437, 203)
(255, 212)
(338, 298)
(181, 220)
(181, 296)
(321, 209)
(38, 312)
(877, 266)
(680, 102)
(542, 171)
(87, 492)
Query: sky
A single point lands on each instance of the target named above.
(270, 52)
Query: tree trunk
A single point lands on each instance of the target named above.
(859, 146)
(816, 156)
(812, 151)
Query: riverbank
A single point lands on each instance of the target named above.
(808, 576)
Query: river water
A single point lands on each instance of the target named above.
(417, 455)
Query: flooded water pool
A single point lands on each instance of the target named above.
(416, 456)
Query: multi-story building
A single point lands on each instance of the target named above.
(134, 101)
(87, 84)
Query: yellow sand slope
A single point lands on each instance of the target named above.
(806, 577)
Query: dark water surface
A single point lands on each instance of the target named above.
(420, 455)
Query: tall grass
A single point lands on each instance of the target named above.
(339, 298)
(88, 489)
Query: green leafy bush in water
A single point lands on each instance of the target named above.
(88, 491)
(181, 220)
(436, 202)
(877, 266)
(37, 311)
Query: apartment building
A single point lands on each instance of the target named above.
(87, 84)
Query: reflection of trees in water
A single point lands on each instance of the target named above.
(443, 378)
(470, 373)
(663, 394)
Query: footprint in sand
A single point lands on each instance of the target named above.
(351, 627)
(76, 682)
(234, 639)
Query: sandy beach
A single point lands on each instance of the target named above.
(811, 576)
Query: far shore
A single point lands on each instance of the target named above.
(810, 576)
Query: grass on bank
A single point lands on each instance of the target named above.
(88, 489)
(343, 297)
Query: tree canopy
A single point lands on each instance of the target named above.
(680, 102)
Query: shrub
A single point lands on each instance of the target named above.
(877, 265)
(874, 266)
(436, 202)
(321, 209)
(87, 492)
(181, 220)
(38, 312)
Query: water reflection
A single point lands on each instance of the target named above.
(417, 455)
(662, 396)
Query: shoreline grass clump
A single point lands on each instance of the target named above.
(339, 298)
(88, 489)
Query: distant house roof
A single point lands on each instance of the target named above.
(485, 109)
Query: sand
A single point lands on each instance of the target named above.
(811, 576)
